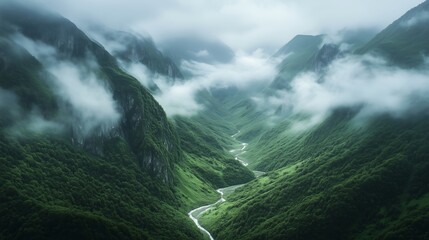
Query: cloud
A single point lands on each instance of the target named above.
(140, 72)
(242, 24)
(364, 82)
(20, 122)
(247, 72)
(202, 53)
(86, 102)
(91, 103)
(180, 98)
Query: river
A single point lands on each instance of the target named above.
(197, 212)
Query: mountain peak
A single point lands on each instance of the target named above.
(404, 42)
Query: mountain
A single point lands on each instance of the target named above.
(345, 177)
(134, 48)
(404, 42)
(155, 152)
(315, 53)
(200, 49)
(86, 151)
(295, 56)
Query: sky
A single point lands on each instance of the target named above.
(244, 25)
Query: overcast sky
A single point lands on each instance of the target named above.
(242, 24)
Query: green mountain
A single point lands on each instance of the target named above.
(404, 42)
(335, 181)
(134, 48)
(122, 179)
(156, 145)
(295, 56)
(343, 178)
(123, 170)
(315, 53)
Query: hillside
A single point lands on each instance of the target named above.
(326, 139)
(86, 151)
(404, 42)
(295, 55)
(346, 177)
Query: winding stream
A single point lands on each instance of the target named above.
(196, 213)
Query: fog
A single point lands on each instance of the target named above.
(247, 72)
(254, 30)
(84, 98)
(367, 83)
(243, 24)
(20, 121)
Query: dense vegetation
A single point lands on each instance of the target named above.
(202, 139)
(51, 190)
(338, 182)
(345, 178)
(128, 181)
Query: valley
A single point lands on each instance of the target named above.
(195, 214)
(220, 133)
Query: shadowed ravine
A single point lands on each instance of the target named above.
(196, 213)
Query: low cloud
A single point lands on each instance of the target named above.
(180, 98)
(140, 72)
(367, 83)
(19, 122)
(91, 103)
(85, 101)
(250, 72)
(247, 72)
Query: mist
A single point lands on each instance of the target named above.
(84, 98)
(367, 83)
(254, 30)
(19, 122)
(247, 72)
(244, 25)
